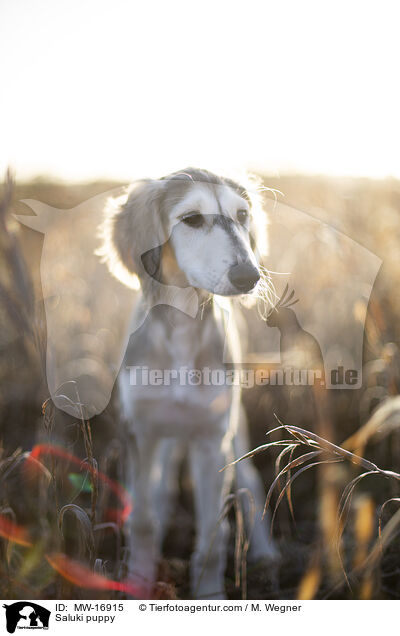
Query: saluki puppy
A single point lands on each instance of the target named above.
(197, 232)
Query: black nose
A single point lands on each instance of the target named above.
(244, 276)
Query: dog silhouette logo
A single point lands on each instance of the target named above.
(26, 615)
(88, 311)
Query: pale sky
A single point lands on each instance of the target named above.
(123, 89)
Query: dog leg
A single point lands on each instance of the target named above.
(247, 477)
(165, 480)
(209, 559)
(142, 542)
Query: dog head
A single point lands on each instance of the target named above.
(191, 228)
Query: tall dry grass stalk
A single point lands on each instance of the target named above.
(323, 452)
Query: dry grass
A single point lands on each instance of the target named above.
(366, 560)
(62, 511)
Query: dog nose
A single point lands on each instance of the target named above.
(244, 276)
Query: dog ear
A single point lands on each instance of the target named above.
(138, 227)
(132, 226)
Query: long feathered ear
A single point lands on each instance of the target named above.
(132, 227)
(138, 225)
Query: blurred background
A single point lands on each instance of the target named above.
(97, 94)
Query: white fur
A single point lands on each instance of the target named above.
(163, 421)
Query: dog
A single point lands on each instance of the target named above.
(206, 234)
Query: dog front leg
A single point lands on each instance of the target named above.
(143, 553)
(165, 486)
(209, 559)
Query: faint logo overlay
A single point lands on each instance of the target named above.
(313, 322)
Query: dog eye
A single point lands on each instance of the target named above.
(242, 216)
(194, 219)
